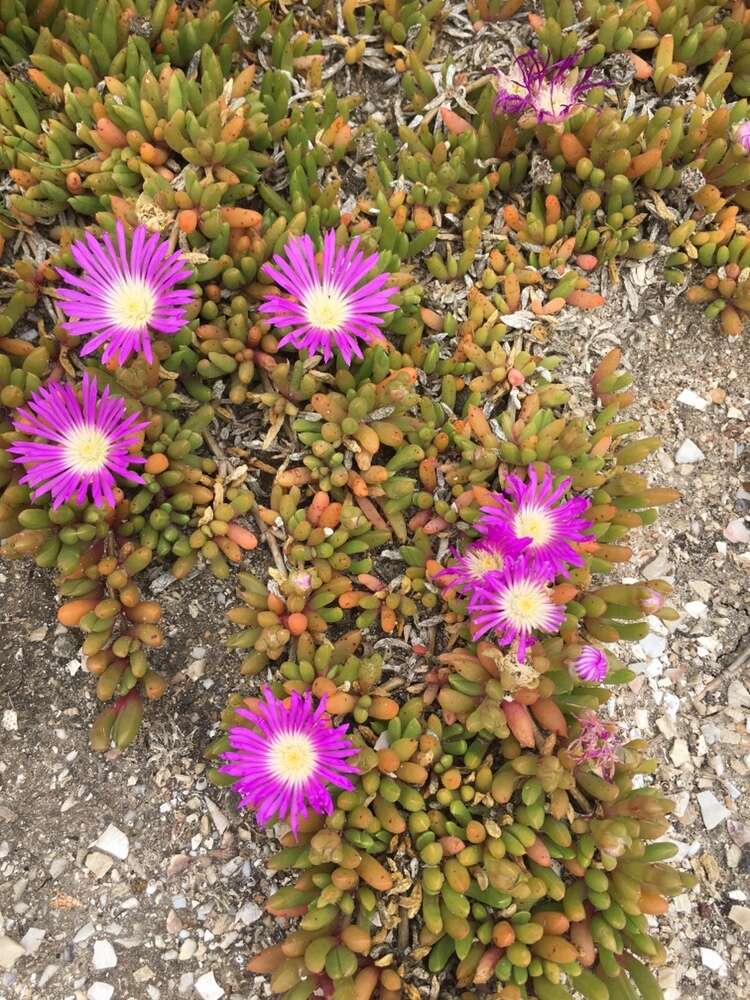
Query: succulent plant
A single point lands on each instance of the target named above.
(502, 852)
(496, 807)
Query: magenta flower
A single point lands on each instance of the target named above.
(84, 444)
(597, 744)
(591, 664)
(538, 521)
(742, 135)
(123, 296)
(288, 757)
(545, 91)
(331, 303)
(470, 568)
(515, 602)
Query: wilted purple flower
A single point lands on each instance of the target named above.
(84, 443)
(652, 602)
(301, 581)
(515, 602)
(548, 92)
(538, 521)
(124, 295)
(331, 303)
(470, 568)
(597, 744)
(742, 135)
(591, 664)
(285, 762)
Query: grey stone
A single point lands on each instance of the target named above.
(84, 933)
(65, 646)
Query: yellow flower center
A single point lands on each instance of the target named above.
(132, 303)
(326, 308)
(293, 758)
(483, 562)
(526, 606)
(86, 449)
(533, 523)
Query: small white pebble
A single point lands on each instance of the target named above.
(688, 453)
(737, 531)
(713, 812)
(207, 988)
(712, 960)
(10, 952)
(696, 609)
(249, 913)
(10, 721)
(692, 399)
(113, 841)
(100, 991)
(740, 915)
(104, 955)
(32, 940)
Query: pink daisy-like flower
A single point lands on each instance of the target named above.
(84, 443)
(548, 92)
(285, 762)
(124, 295)
(742, 135)
(470, 568)
(591, 664)
(515, 602)
(597, 744)
(538, 521)
(331, 304)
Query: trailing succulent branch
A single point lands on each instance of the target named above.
(493, 819)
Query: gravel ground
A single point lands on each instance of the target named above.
(129, 877)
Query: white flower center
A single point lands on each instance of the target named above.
(326, 308)
(292, 758)
(514, 84)
(534, 523)
(87, 449)
(131, 303)
(526, 605)
(555, 99)
(479, 563)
